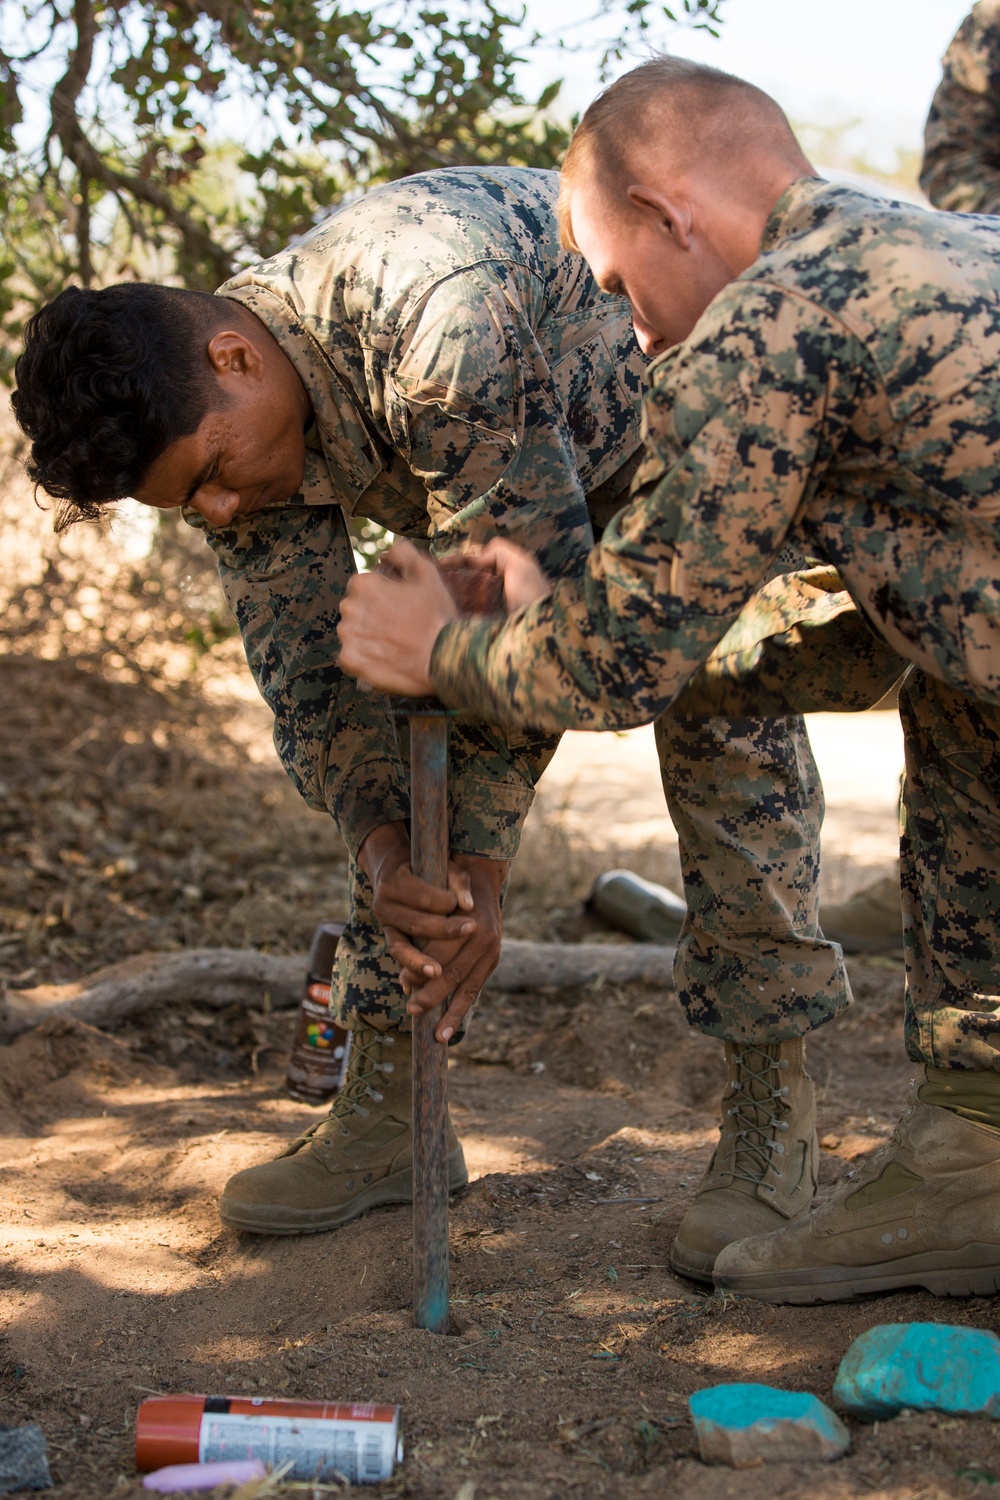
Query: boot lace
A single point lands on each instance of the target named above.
(759, 1104)
(361, 1081)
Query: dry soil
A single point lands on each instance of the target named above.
(135, 818)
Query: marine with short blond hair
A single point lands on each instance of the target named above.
(827, 375)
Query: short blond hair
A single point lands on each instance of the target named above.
(705, 112)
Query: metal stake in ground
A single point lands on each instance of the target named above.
(429, 856)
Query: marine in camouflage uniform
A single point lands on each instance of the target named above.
(468, 378)
(961, 167)
(805, 410)
(841, 395)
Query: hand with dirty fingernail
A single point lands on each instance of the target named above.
(410, 911)
(465, 963)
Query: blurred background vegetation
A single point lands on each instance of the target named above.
(176, 142)
(140, 803)
(182, 140)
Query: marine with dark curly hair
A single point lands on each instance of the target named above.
(430, 358)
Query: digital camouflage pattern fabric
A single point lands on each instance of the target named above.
(841, 394)
(950, 859)
(961, 167)
(467, 378)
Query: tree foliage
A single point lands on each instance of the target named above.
(182, 139)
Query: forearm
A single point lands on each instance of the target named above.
(572, 661)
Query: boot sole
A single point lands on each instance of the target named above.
(266, 1218)
(973, 1271)
(696, 1265)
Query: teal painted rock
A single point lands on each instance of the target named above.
(922, 1366)
(741, 1425)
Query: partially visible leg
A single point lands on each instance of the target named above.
(950, 860)
(747, 804)
(359, 1155)
(752, 966)
(925, 1210)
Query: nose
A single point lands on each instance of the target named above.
(216, 505)
(649, 341)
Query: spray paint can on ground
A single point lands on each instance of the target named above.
(323, 1439)
(318, 1057)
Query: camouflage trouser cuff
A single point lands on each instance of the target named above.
(758, 989)
(382, 1018)
(366, 990)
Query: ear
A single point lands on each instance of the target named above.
(232, 353)
(672, 212)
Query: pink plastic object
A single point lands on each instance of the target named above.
(184, 1478)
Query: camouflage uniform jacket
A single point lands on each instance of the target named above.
(961, 168)
(842, 392)
(467, 377)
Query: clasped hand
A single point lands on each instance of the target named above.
(389, 623)
(458, 929)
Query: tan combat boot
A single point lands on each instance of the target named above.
(923, 1211)
(357, 1157)
(763, 1172)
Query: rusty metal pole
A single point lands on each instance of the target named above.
(429, 855)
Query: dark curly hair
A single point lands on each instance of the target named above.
(106, 382)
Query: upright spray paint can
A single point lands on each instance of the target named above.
(333, 1440)
(318, 1057)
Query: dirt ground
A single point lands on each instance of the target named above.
(138, 817)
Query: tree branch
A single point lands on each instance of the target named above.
(218, 977)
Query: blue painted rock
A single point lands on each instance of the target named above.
(742, 1425)
(922, 1366)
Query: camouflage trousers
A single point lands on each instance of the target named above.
(745, 798)
(950, 869)
(746, 801)
(828, 659)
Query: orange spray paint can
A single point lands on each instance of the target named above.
(323, 1439)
